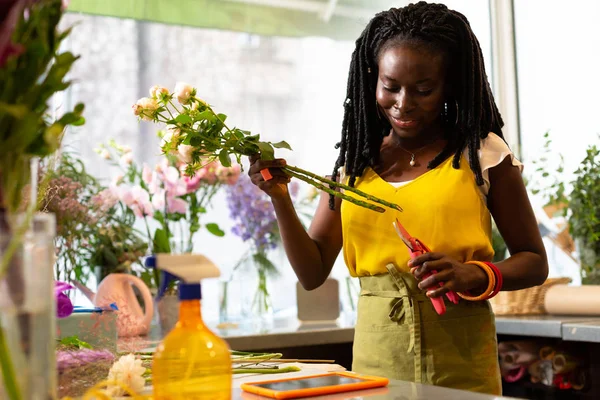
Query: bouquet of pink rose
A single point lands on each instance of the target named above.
(199, 134)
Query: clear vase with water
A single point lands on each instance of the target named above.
(28, 311)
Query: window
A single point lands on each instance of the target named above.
(558, 66)
(283, 88)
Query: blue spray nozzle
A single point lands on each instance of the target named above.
(165, 280)
(150, 261)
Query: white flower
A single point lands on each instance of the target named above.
(137, 109)
(157, 92)
(126, 149)
(172, 133)
(126, 159)
(117, 180)
(185, 153)
(184, 92)
(146, 108)
(105, 154)
(129, 371)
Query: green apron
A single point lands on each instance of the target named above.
(398, 335)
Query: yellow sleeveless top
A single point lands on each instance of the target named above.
(444, 208)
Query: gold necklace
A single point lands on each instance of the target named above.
(413, 154)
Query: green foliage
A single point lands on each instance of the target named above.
(584, 213)
(27, 82)
(73, 343)
(582, 202)
(91, 232)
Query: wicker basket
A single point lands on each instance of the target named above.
(525, 302)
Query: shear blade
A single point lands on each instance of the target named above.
(401, 235)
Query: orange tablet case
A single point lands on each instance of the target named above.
(368, 382)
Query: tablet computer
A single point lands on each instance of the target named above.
(315, 385)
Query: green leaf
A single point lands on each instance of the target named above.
(161, 242)
(183, 119)
(79, 108)
(79, 122)
(238, 133)
(16, 110)
(264, 263)
(224, 158)
(222, 117)
(266, 150)
(214, 229)
(282, 145)
(74, 342)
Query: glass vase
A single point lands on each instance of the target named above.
(262, 306)
(28, 310)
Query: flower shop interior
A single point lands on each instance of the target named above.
(113, 211)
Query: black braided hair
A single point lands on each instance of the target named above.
(471, 113)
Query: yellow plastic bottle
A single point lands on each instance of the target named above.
(191, 362)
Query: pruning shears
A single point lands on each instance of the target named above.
(417, 248)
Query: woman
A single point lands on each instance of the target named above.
(420, 129)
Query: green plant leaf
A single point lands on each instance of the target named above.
(282, 145)
(214, 229)
(263, 262)
(161, 242)
(183, 119)
(266, 150)
(224, 158)
(74, 342)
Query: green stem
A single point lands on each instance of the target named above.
(343, 186)
(14, 243)
(265, 370)
(8, 372)
(336, 193)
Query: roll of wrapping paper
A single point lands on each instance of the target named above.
(547, 353)
(518, 353)
(578, 379)
(573, 300)
(541, 371)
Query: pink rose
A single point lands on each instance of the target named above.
(146, 174)
(176, 205)
(229, 175)
(193, 183)
(208, 173)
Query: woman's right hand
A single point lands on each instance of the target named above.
(277, 185)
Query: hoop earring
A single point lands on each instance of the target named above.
(456, 120)
(446, 112)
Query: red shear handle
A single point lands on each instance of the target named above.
(438, 302)
(452, 296)
(266, 174)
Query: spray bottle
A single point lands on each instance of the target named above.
(191, 362)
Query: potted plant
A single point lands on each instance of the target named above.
(584, 215)
(578, 201)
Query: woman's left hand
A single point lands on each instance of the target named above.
(455, 276)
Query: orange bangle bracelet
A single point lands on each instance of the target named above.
(491, 282)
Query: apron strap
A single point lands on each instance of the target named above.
(413, 317)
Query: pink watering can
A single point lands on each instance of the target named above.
(116, 289)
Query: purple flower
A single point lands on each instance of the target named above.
(253, 213)
(10, 12)
(73, 359)
(64, 307)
